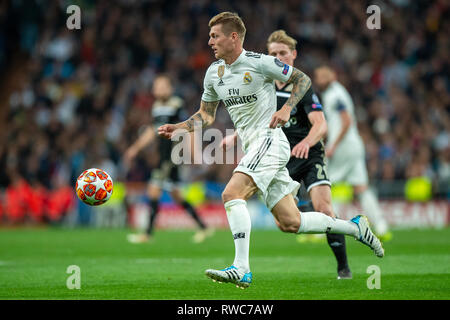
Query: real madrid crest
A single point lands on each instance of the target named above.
(247, 78)
(220, 73)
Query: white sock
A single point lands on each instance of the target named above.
(371, 207)
(317, 222)
(240, 225)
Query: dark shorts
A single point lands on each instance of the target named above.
(166, 176)
(311, 172)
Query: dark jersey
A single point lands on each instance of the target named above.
(170, 111)
(311, 171)
(298, 126)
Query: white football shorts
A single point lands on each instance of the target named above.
(265, 159)
(348, 167)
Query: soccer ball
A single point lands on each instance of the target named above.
(94, 187)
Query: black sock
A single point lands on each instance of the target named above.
(154, 204)
(337, 245)
(193, 213)
(307, 207)
(335, 241)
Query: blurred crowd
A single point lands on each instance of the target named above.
(85, 95)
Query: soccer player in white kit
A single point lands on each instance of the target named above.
(243, 80)
(345, 147)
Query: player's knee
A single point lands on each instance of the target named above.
(233, 194)
(228, 195)
(289, 225)
(359, 189)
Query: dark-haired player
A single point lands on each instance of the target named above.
(166, 108)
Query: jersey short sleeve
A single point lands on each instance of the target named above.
(340, 106)
(274, 69)
(311, 102)
(209, 94)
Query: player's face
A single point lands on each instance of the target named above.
(162, 89)
(282, 52)
(321, 78)
(221, 44)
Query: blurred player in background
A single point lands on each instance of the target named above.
(345, 147)
(166, 108)
(243, 80)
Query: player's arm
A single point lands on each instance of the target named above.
(346, 121)
(144, 139)
(301, 83)
(318, 131)
(205, 116)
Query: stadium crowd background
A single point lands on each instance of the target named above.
(84, 95)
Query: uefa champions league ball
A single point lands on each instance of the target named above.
(94, 187)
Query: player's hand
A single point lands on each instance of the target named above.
(228, 141)
(166, 130)
(280, 117)
(329, 152)
(301, 150)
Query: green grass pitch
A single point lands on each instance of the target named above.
(33, 265)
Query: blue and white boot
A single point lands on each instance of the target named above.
(230, 274)
(366, 235)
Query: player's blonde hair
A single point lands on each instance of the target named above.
(231, 22)
(280, 36)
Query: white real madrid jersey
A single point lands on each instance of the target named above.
(247, 89)
(335, 99)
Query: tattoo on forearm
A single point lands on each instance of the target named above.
(205, 116)
(301, 83)
(210, 108)
(190, 123)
